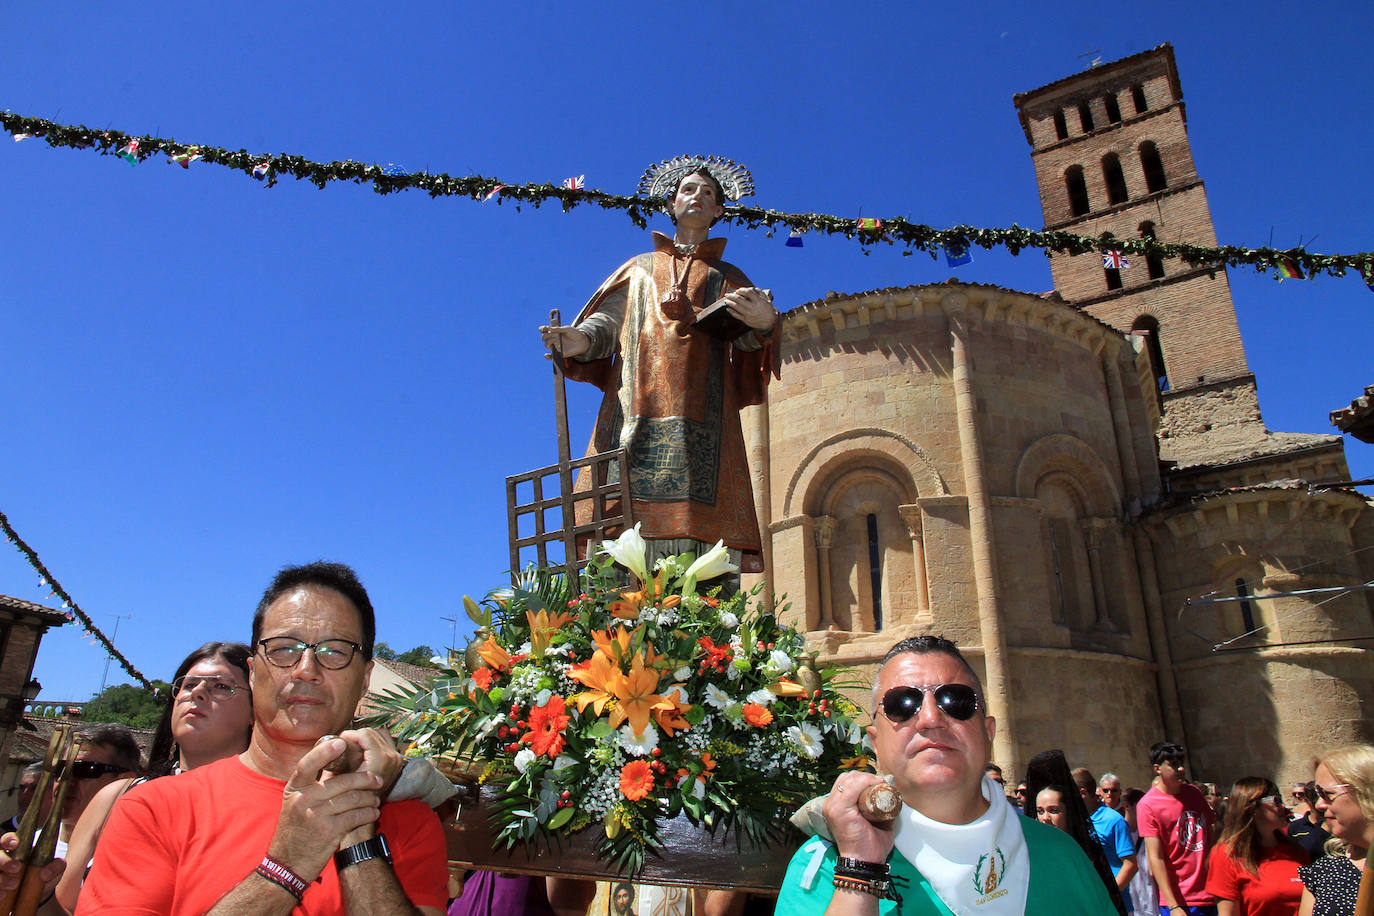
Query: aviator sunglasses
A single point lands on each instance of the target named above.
(958, 701)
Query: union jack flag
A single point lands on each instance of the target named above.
(1115, 259)
(575, 184)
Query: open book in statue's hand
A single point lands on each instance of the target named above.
(718, 321)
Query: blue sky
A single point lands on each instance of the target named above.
(207, 379)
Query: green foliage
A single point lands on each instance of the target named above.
(128, 705)
(384, 652)
(889, 230)
(420, 655)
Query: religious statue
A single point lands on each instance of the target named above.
(673, 384)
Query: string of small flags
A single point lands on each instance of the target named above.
(69, 607)
(955, 241)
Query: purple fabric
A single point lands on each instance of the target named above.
(485, 893)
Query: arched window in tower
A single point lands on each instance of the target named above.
(875, 571)
(1061, 128)
(1153, 262)
(1113, 110)
(1147, 326)
(1138, 98)
(1116, 182)
(1247, 610)
(1077, 189)
(866, 572)
(1152, 166)
(1085, 116)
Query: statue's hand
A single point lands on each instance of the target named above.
(753, 306)
(569, 340)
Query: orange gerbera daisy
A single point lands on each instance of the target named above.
(483, 678)
(757, 715)
(636, 780)
(547, 723)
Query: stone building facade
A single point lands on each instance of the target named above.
(1077, 488)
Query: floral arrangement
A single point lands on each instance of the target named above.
(616, 708)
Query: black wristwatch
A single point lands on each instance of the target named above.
(375, 848)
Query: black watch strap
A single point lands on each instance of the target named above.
(375, 848)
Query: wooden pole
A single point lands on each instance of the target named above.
(1364, 904)
(565, 479)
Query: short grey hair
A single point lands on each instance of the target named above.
(1108, 777)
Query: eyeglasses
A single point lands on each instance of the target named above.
(217, 688)
(959, 701)
(90, 769)
(1275, 800)
(1331, 794)
(286, 651)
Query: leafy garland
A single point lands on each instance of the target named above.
(914, 236)
(69, 606)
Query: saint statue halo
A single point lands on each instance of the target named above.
(661, 180)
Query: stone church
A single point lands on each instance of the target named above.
(1077, 488)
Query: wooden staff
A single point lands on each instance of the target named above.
(23, 900)
(1364, 904)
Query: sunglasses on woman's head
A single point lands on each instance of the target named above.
(958, 701)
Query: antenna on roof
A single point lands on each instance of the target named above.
(1092, 60)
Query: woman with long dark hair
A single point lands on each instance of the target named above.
(208, 716)
(1253, 869)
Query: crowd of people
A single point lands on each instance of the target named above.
(258, 797)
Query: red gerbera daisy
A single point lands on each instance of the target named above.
(636, 779)
(547, 723)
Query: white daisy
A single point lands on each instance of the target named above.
(717, 697)
(808, 738)
(638, 744)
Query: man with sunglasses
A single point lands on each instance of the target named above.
(951, 849)
(271, 829)
(1175, 822)
(107, 751)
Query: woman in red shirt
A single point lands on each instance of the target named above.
(1253, 870)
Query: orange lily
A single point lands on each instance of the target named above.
(601, 675)
(786, 688)
(495, 656)
(631, 602)
(635, 691)
(613, 647)
(672, 719)
(542, 626)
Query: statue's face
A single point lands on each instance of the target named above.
(697, 202)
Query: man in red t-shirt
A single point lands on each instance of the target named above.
(1174, 820)
(271, 831)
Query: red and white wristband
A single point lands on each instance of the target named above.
(283, 877)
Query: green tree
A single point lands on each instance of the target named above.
(384, 652)
(420, 655)
(128, 705)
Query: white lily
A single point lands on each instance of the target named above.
(712, 563)
(629, 550)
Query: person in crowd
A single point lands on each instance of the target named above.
(1344, 781)
(1049, 769)
(271, 829)
(1109, 793)
(1298, 802)
(951, 849)
(1307, 828)
(207, 716)
(1142, 890)
(107, 751)
(994, 772)
(28, 786)
(1050, 807)
(1253, 870)
(1019, 798)
(1112, 832)
(1175, 822)
(1210, 793)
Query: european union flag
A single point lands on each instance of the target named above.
(957, 255)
